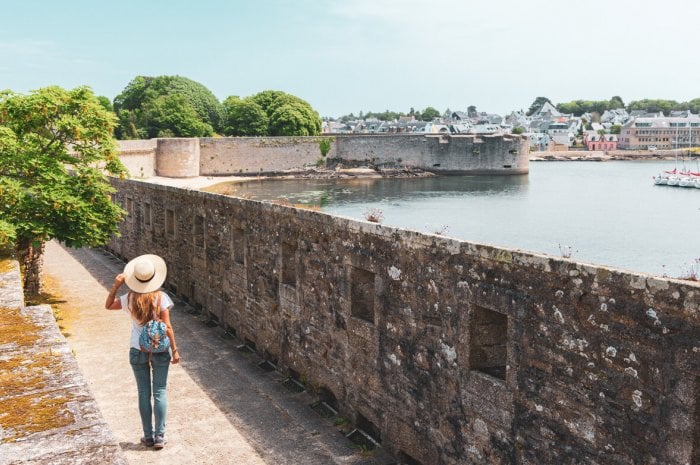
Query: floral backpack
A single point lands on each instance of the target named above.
(154, 336)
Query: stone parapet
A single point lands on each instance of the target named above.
(47, 412)
(447, 352)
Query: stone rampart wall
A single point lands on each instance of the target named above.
(448, 352)
(255, 155)
(460, 154)
(441, 153)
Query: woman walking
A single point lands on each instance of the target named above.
(144, 302)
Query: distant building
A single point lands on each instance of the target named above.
(595, 141)
(662, 132)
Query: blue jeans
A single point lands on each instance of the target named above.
(142, 372)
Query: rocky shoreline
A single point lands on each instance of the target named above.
(618, 155)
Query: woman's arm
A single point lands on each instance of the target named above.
(165, 317)
(112, 303)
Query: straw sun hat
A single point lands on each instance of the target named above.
(145, 273)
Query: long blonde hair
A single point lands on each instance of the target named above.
(144, 307)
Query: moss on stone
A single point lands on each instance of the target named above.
(25, 415)
(16, 328)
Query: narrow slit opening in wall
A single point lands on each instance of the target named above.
(198, 231)
(327, 405)
(365, 435)
(289, 262)
(229, 333)
(270, 362)
(169, 222)
(405, 459)
(248, 347)
(130, 207)
(362, 292)
(147, 214)
(212, 320)
(238, 245)
(488, 346)
(293, 384)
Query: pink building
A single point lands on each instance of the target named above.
(596, 141)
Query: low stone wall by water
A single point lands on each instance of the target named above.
(445, 351)
(439, 153)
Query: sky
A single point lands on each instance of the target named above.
(346, 56)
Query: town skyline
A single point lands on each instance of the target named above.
(358, 55)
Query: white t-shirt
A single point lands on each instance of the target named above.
(166, 304)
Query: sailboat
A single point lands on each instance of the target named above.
(684, 177)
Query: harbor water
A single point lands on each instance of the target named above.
(605, 213)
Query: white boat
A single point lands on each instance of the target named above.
(673, 180)
(686, 181)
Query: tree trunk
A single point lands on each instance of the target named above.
(31, 256)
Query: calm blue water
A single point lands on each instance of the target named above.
(606, 213)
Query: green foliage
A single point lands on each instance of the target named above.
(429, 114)
(579, 107)
(244, 118)
(518, 130)
(147, 97)
(56, 146)
(616, 102)
(324, 145)
(288, 115)
(172, 116)
(537, 105)
(615, 129)
(656, 105)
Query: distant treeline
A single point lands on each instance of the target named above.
(579, 107)
(175, 106)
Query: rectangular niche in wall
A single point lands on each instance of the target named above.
(198, 231)
(169, 222)
(130, 208)
(289, 264)
(238, 245)
(362, 293)
(147, 214)
(488, 347)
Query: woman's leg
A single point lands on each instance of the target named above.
(142, 373)
(161, 364)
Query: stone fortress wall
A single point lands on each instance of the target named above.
(445, 351)
(446, 154)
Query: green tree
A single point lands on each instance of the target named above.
(616, 102)
(654, 105)
(518, 130)
(132, 103)
(244, 118)
(537, 105)
(172, 116)
(288, 115)
(56, 147)
(429, 114)
(615, 129)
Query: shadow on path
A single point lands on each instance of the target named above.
(280, 424)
